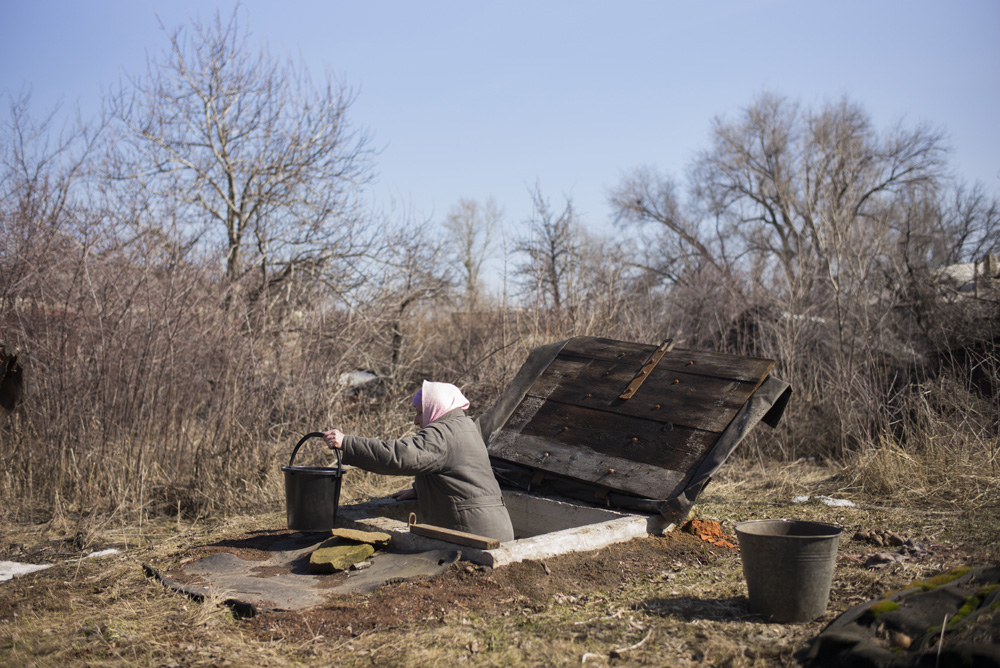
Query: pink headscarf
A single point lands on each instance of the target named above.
(436, 399)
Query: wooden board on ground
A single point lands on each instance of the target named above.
(453, 536)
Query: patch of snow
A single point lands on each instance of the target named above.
(837, 503)
(101, 553)
(11, 569)
(98, 553)
(826, 500)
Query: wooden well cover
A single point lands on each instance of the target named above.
(565, 413)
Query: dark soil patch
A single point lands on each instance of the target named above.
(483, 591)
(601, 570)
(253, 546)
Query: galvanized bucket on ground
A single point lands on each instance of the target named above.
(312, 493)
(788, 566)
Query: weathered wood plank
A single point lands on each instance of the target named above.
(589, 376)
(746, 369)
(631, 355)
(597, 347)
(455, 536)
(692, 401)
(699, 362)
(644, 441)
(594, 468)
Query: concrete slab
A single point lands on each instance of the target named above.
(543, 527)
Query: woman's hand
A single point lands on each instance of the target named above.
(405, 494)
(334, 439)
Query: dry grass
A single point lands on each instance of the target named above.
(945, 450)
(104, 612)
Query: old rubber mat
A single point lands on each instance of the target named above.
(952, 619)
(282, 579)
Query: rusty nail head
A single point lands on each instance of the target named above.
(635, 439)
(611, 470)
(676, 380)
(589, 395)
(657, 406)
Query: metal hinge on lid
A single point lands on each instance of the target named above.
(646, 369)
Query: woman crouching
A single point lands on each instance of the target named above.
(453, 481)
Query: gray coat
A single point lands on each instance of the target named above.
(455, 485)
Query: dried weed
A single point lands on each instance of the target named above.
(682, 610)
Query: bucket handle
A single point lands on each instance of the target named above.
(315, 434)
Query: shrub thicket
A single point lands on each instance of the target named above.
(162, 376)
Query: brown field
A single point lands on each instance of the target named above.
(165, 336)
(671, 600)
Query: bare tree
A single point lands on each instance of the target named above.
(961, 224)
(788, 190)
(406, 270)
(808, 189)
(681, 242)
(248, 148)
(40, 174)
(551, 250)
(472, 227)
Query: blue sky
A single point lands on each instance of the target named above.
(480, 99)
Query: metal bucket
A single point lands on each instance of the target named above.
(788, 566)
(312, 493)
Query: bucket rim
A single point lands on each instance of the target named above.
(317, 470)
(826, 530)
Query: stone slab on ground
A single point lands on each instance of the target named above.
(376, 538)
(333, 558)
